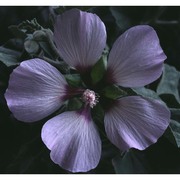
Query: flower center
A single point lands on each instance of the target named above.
(90, 97)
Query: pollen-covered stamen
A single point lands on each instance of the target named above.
(90, 97)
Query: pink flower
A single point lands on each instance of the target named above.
(37, 89)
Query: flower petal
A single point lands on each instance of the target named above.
(136, 58)
(73, 140)
(136, 122)
(36, 89)
(80, 38)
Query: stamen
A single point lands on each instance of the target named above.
(90, 97)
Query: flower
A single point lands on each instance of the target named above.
(37, 89)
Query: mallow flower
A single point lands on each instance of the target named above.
(37, 89)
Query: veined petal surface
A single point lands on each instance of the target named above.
(73, 140)
(136, 58)
(36, 89)
(136, 122)
(80, 38)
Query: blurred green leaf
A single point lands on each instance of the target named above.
(113, 92)
(74, 104)
(73, 80)
(168, 86)
(25, 159)
(45, 39)
(168, 134)
(175, 114)
(145, 92)
(173, 131)
(122, 21)
(133, 162)
(98, 70)
(175, 128)
(46, 49)
(9, 54)
(98, 113)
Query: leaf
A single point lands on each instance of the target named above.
(173, 131)
(113, 92)
(175, 128)
(122, 21)
(45, 39)
(26, 156)
(73, 80)
(133, 162)
(175, 114)
(98, 70)
(168, 86)
(9, 54)
(98, 113)
(47, 49)
(168, 134)
(74, 104)
(145, 92)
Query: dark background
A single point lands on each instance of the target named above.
(21, 148)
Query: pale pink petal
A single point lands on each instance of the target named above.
(136, 122)
(136, 58)
(80, 38)
(73, 140)
(36, 89)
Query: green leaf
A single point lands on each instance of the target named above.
(45, 39)
(27, 156)
(74, 104)
(122, 21)
(175, 128)
(73, 80)
(9, 54)
(113, 92)
(145, 92)
(47, 49)
(175, 114)
(98, 113)
(133, 162)
(168, 134)
(98, 70)
(173, 131)
(168, 86)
